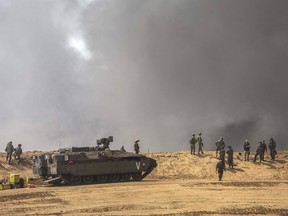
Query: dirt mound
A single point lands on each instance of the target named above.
(181, 184)
(182, 165)
(24, 168)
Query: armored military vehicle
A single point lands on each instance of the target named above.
(86, 165)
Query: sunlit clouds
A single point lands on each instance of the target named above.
(78, 44)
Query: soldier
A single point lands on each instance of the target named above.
(220, 167)
(272, 148)
(122, 149)
(258, 151)
(136, 146)
(18, 152)
(263, 150)
(193, 141)
(200, 143)
(9, 150)
(222, 155)
(219, 145)
(246, 147)
(230, 156)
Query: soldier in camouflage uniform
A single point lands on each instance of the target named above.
(220, 167)
(272, 148)
(258, 151)
(122, 149)
(200, 143)
(193, 141)
(222, 155)
(230, 157)
(18, 152)
(136, 146)
(9, 150)
(219, 145)
(263, 149)
(246, 148)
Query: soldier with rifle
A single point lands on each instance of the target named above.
(18, 152)
(136, 146)
(246, 148)
(9, 150)
(193, 141)
(272, 148)
(220, 167)
(219, 145)
(230, 156)
(200, 143)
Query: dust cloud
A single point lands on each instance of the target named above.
(75, 71)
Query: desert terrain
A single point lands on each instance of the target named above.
(182, 184)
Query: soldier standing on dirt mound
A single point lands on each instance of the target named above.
(263, 150)
(136, 146)
(193, 141)
(200, 143)
(219, 145)
(18, 152)
(9, 150)
(246, 148)
(230, 156)
(222, 155)
(258, 151)
(272, 148)
(220, 167)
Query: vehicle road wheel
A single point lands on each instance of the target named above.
(75, 180)
(114, 177)
(126, 177)
(87, 179)
(137, 176)
(102, 178)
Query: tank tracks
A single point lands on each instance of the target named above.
(77, 180)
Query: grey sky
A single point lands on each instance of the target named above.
(154, 70)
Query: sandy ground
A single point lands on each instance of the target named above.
(151, 197)
(181, 185)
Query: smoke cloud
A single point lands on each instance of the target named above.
(75, 71)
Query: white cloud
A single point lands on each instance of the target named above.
(78, 44)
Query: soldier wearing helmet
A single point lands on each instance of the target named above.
(200, 143)
(246, 147)
(220, 167)
(272, 148)
(193, 141)
(263, 150)
(220, 145)
(9, 150)
(230, 156)
(136, 146)
(258, 151)
(18, 152)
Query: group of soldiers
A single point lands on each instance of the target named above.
(262, 148)
(220, 152)
(193, 142)
(136, 147)
(102, 144)
(10, 150)
(220, 149)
